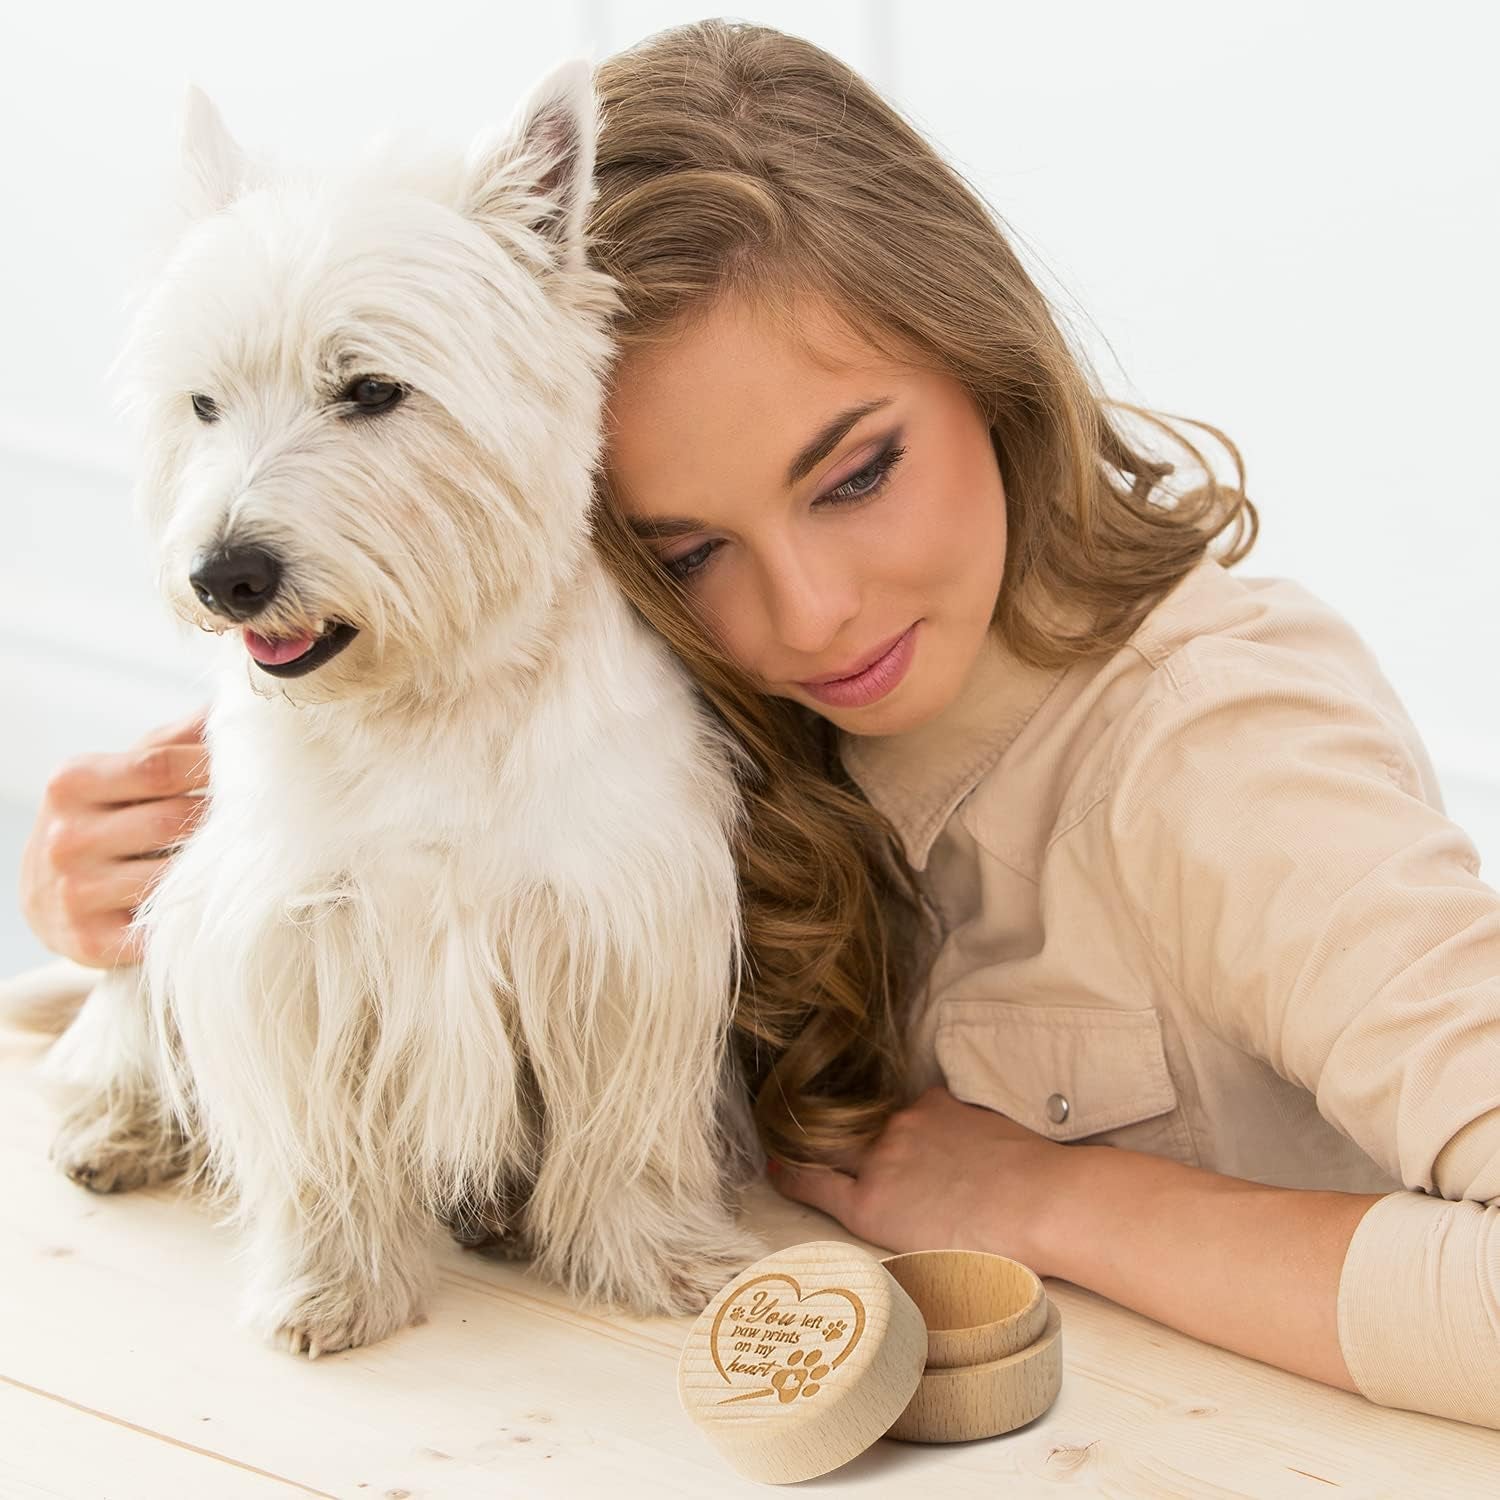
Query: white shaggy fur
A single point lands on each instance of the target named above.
(457, 939)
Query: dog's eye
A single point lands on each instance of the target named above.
(369, 394)
(206, 408)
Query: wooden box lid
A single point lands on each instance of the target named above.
(802, 1361)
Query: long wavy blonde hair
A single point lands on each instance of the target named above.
(735, 160)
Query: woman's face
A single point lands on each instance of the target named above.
(815, 514)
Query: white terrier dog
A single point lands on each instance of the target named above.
(457, 939)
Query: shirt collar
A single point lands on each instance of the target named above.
(918, 777)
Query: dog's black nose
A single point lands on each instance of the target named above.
(236, 582)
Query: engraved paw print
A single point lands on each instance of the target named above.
(835, 1330)
(800, 1375)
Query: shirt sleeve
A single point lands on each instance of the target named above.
(1269, 836)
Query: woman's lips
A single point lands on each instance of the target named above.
(864, 666)
(878, 679)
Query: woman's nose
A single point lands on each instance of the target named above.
(811, 599)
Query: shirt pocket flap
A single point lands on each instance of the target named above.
(1108, 1065)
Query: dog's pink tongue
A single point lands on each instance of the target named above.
(276, 652)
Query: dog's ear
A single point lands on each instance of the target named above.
(541, 167)
(215, 171)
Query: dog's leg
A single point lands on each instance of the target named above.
(278, 1029)
(116, 1132)
(648, 1244)
(633, 1204)
(339, 1239)
(327, 1276)
(494, 1222)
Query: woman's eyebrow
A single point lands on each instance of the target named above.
(664, 528)
(661, 528)
(829, 439)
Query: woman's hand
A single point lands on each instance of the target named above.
(943, 1175)
(106, 828)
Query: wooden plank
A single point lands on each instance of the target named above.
(56, 1450)
(125, 1306)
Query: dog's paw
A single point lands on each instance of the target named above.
(494, 1227)
(511, 1247)
(113, 1151)
(102, 1170)
(662, 1268)
(690, 1281)
(340, 1318)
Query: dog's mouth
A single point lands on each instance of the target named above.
(295, 656)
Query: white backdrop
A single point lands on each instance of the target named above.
(1276, 217)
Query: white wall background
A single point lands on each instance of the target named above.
(1276, 217)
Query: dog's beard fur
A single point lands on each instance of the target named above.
(457, 940)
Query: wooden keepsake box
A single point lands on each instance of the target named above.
(808, 1356)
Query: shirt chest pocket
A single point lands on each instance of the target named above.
(1069, 1072)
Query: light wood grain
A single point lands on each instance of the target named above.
(85, 1445)
(977, 1306)
(954, 1403)
(117, 1319)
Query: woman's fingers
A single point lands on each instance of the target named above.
(114, 898)
(106, 940)
(114, 889)
(104, 831)
(78, 844)
(179, 731)
(135, 775)
(138, 828)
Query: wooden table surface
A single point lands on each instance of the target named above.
(123, 1375)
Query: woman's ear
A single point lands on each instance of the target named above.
(540, 168)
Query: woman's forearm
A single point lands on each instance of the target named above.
(1249, 1268)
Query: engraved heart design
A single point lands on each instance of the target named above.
(807, 1365)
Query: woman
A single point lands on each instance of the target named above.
(1110, 920)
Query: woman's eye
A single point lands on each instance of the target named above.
(205, 407)
(869, 479)
(370, 395)
(860, 486)
(683, 568)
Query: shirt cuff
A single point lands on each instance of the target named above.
(1419, 1306)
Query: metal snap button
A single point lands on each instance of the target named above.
(1057, 1108)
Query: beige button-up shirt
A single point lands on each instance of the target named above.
(1199, 898)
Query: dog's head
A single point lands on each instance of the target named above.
(371, 396)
